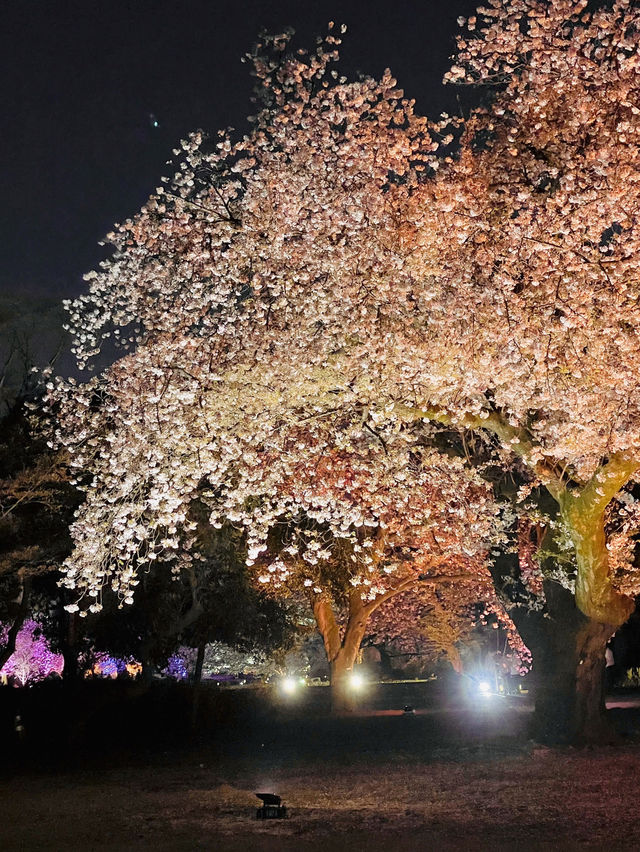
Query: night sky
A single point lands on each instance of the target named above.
(82, 84)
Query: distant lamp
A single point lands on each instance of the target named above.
(289, 685)
(484, 687)
(272, 807)
(356, 681)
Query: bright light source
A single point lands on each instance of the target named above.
(484, 687)
(289, 685)
(356, 681)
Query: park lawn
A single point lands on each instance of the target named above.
(473, 797)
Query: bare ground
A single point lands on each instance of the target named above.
(468, 799)
(445, 778)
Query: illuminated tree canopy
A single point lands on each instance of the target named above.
(348, 278)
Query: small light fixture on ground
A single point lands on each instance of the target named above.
(272, 807)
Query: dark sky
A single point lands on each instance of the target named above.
(79, 80)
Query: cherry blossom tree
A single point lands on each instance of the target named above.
(237, 393)
(534, 301)
(339, 262)
(446, 620)
(220, 283)
(433, 621)
(363, 527)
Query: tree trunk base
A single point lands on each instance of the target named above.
(343, 698)
(570, 701)
(567, 679)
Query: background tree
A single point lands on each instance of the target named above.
(234, 611)
(37, 499)
(37, 502)
(209, 600)
(428, 623)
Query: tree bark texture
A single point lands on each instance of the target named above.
(596, 595)
(197, 685)
(568, 671)
(341, 647)
(568, 645)
(70, 648)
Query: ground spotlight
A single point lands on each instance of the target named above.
(356, 681)
(289, 685)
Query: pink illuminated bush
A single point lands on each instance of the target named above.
(33, 659)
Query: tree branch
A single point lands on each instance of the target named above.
(372, 606)
(605, 483)
(516, 437)
(327, 626)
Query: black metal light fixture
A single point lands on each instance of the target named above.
(272, 807)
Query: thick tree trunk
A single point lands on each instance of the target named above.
(197, 683)
(148, 669)
(568, 645)
(601, 606)
(453, 655)
(197, 669)
(568, 671)
(343, 697)
(569, 694)
(341, 647)
(590, 723)
(70, 649)
(386, 663)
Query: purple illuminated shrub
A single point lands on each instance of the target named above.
(180, 664)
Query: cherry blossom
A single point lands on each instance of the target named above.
(349, 268)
